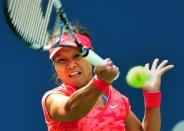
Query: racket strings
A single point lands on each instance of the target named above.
(29, 22)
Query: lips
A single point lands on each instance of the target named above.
(74, 74)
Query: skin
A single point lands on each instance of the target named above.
(63, 108)
(152, 118)
(68, 61)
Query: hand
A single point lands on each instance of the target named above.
(106, 71)
(155, 74)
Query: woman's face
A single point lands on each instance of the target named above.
(72, 68)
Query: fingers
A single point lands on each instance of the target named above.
(111, 68)
(108, 62)
(107, 71)
(162, 64)
(162, 68)
(116, 69)
(106, 65)
(165, 69)
(146, 66)
(155, 63)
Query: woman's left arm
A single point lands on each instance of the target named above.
(151, 89)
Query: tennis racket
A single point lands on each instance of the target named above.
(32, 20)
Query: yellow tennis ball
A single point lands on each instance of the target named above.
(137, 77)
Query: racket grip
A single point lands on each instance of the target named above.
(95, 60)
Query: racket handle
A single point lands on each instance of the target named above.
(95, 60)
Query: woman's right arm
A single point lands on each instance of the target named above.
(64, 108)
(74, 107)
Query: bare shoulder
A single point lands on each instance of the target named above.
(55, 105)
(55, 98)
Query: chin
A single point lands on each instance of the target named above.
(79, 84)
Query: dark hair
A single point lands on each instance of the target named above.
(77, 29)
(80, 29)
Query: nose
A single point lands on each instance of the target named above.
(71, 64)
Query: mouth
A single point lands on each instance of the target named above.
(74, 74)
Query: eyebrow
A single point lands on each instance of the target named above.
(58, 56)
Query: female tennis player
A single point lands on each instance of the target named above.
(87, 102)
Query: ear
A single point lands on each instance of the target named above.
(53, 63)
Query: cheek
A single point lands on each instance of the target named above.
(60, 71)
(88, 69)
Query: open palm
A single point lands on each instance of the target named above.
(155, 73)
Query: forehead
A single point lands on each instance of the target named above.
(65, 51)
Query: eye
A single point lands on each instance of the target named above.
(78, 55)
(60, 60)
